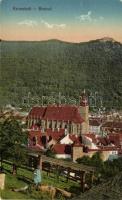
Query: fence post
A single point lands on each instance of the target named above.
(83, 177)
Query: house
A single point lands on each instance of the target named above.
(90, 140)
(116, 139)
(72, 146)
(43, 139)
(109, 147)
(35, 140)
(54, 136)
(62, 151)
(94, 126)
(112, 126)
(70, 139)
(106, 153)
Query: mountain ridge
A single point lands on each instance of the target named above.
(45, 67)
(104, 39)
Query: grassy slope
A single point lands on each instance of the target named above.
(15, 182)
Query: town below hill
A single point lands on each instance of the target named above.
(66, 141)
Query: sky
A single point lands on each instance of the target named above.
(67, 20)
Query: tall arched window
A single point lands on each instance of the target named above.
(60, 125)
(34, 141)
(65, 126)
(50, 124)
(55, 124)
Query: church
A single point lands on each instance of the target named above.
(73, 119)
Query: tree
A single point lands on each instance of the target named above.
(84, 160)
(12, 139)
(50, 153)
(112, 167)
(60, 66)
(96, 160)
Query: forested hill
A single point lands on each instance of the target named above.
(53, 66)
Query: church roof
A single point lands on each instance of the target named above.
(37, 112)
(60, 113)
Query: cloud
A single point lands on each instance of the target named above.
(120, 0)
(88, 17)
(30, 23)
(51, 26)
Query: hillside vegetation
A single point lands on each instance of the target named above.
(110, 190)
(49, 67)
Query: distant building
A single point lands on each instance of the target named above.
(94, 126)
(106, 152)
(112, 126)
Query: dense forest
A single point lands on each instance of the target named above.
(30, 70)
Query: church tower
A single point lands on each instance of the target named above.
(84, 111)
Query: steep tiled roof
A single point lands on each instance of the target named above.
(94, 122)
(110, 148)
(116, 139)
(62, 149)
(74, 138)
(60, 113)
(103, 141)
(113, 138)
(56, 135)
(110, 124)
(92, 136)
(37, 112)
(77, 117)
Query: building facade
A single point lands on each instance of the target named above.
(73, 119)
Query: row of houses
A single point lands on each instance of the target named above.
(98, 127)
(72, 146)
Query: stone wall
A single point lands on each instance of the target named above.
(2, 181)
(78, 153)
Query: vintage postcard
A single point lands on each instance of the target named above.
(61, 99)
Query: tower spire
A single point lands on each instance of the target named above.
(84, 99)
(84, 111)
